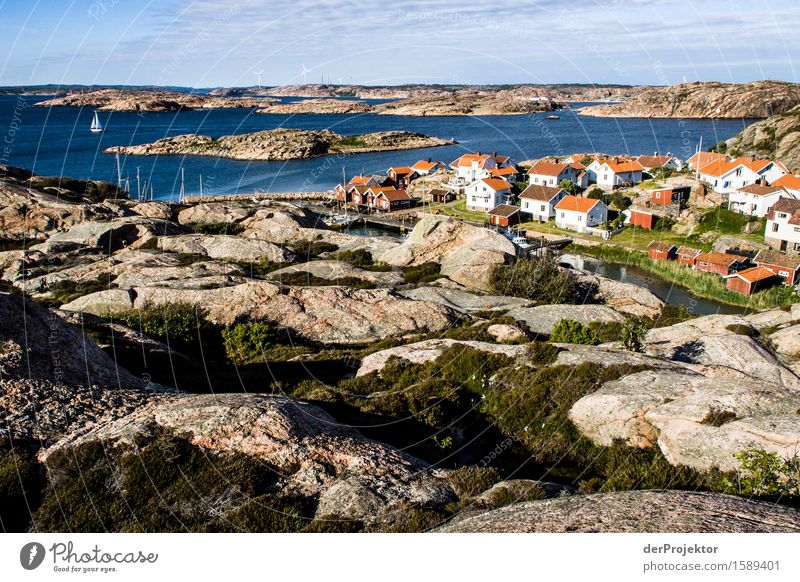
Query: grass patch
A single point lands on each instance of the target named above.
(419, 274)
(303, 279)
(231, 228)
(537, 278)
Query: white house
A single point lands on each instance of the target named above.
(487, 193)
(471, 167)
(423, 168)
(551, 174)
(650, 163)
(755, 199)
(770, 171)
(538, 202)
(782, 232)
(790, 183)
(577, 213)
(615, 172)
(727, 177)
(507, 173)
(701, 159)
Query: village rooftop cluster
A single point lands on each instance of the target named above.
(573, 193)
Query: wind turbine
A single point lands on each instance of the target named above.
(258, 74)
(305, 75)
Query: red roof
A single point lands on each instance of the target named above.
(426, 166)
(624, 166)
(576, 204)
(754, 274)
(724, 259)
(504, 210)
(790, 181)
(704, 158)
(759, 190)
(504, 171)
(653, 161)
(540, 192)
(545, 168)
(393, 195)
(496, 184)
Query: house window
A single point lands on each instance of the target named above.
(562, 215)
(580, 218)
(543, 208)
(775, 227)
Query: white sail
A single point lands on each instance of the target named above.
(96, 125)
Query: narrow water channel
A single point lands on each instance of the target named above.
(663, 289)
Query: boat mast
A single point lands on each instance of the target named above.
(138, 185)
(180, 196)
(201, 185)
(119, 173)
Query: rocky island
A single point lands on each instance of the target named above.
(201, 367)
(281, 144)
(318, 106)
(149, 100)
(709, 100)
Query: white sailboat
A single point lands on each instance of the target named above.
(96, 126)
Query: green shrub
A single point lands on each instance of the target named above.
(247, 342)
(422, 273)
(302, 279)
(633, 333)
(20, 485)
(596, 193)
(68, 290)
(360, 258)
(568, 331)
(619, 200)
(742, 329)
(606, 331)
(307, 251)
(567, 185)
(542, 353)
(764, 474)
(217, 228)
(537, 278)
(179, 322)
(472, 481)
(268, 513)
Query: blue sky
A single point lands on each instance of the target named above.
(205, 43)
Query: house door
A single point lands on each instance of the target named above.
(783, 246)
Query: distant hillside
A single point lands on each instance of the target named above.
(776, 137)
(759, 99)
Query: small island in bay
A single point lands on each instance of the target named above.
(318, 106)
(281, 144)
(149, 100)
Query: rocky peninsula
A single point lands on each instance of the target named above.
(281, 144)
(149, 100)
(709, 100)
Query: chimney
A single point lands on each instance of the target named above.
(478, 153)
(494, 154)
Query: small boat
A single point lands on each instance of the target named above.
(552, 117)
(96, 126)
